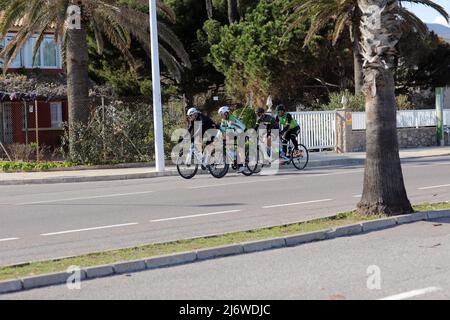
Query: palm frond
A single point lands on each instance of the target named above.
(430, 3)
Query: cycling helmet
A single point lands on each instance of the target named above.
(260, 110)
(192, 111)
(281, 108)
(224, 109)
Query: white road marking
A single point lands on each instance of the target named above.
(8, 239)
(435, 187)
(357, 196)
(297, 203)
(237, 183)
(412, 294)
(197, 216)
(86, 198)
(315, 175)
(89, 229)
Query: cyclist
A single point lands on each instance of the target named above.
(194, 116)
(231, 122)
(265, 119)
(206, 122)
(290, 130)
(269, 122)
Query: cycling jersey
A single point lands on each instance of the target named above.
(207, 123)
(287, 121)
(268, 121)
(233, 123)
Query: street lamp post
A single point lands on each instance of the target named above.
(157, 110)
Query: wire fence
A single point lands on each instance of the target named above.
(117, 130)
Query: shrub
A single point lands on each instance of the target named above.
(354, 103)
(247, 116)
(30, 166)
(22, 152)
(119, 133)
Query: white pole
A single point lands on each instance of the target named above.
(157, 110)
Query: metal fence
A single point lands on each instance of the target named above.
(123, 129)
(318, 129)
(28, 130)
(405, 119)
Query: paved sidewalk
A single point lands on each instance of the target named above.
(143, 172)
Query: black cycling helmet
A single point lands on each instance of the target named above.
(281, 107)
(260, 110)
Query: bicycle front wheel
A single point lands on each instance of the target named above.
(255, 166)
(301, 161)
(186, 166)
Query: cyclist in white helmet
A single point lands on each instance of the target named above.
(231, 123)
(196, 116)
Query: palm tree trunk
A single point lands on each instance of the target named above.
(77, 75)
(77, 80)
(384, 190)
(357, 63)
(357, 57)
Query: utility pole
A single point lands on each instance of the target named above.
(157, 109)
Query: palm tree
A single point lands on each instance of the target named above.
(347, 14)
(384, 189)
(103, 18)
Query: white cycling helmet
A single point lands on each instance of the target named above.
(224, 109)
(192, 111)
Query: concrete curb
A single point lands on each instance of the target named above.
(55, 180)
(121, 268)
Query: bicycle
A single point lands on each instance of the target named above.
(300, 162)
(187, 167)
(220, 169)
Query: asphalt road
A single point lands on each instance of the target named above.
(406, 262)
(51, 221)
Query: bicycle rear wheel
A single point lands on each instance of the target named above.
(302, 161)
(186, 166)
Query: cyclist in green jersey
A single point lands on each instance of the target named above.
(290, 129)
(231, 122)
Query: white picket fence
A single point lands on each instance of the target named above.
(405, 119)
(317, 129)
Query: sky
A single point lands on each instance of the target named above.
(427, 14)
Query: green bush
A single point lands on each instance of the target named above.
(7, 166)
(357, 103)
(119, 133)
(354, 103)
(247, 116)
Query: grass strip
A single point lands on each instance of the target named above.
(152, 250)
